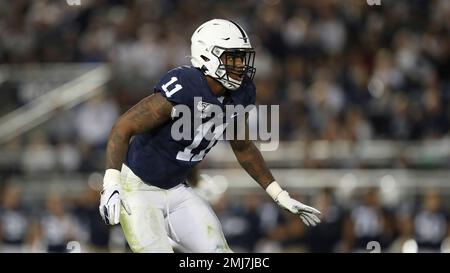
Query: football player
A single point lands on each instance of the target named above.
(144, 184)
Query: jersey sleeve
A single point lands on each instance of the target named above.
(177, 86)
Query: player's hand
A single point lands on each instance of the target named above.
(309, 215)
(110, 203)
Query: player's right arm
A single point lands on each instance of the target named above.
(148, 114)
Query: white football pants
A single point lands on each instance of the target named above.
(157, 214)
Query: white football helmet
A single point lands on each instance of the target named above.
(217, 37)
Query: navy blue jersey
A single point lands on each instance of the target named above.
(159, 159)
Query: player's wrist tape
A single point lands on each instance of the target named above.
(274, 190)
(111, 178)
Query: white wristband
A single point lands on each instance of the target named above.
(273, 190)
(111, 178)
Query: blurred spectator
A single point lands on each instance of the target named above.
(430, 223)
(55, 227)
(11, 159)
(270, 219)
(289, 233)
(68, 157)
(94, 121)
(326, 237)
(14, 221)
(86, 211)
(370, 221)
(240, 224)
(39, 155)
(405, 241)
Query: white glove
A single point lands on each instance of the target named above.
(309, 215)
(110, 200)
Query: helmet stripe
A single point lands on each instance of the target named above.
(241, 30)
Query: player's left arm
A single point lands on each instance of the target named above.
(250, 158)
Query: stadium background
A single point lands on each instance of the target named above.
(364, 119)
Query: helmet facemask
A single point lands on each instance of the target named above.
(234, 65)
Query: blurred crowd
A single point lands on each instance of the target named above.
(251, 223)
(340, 70)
